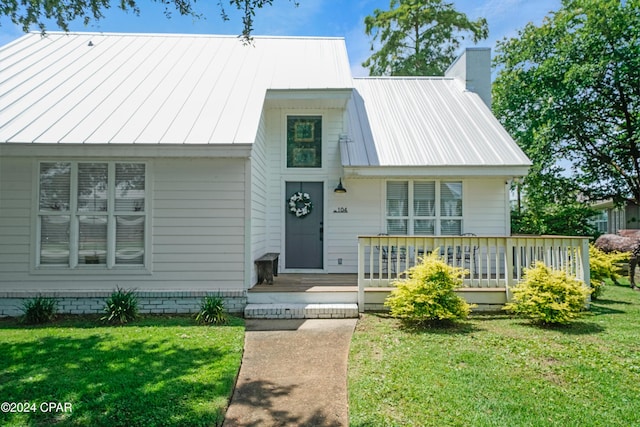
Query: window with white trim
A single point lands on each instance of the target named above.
(424, 207)
(91, 213)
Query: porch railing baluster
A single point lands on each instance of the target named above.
(492, 262)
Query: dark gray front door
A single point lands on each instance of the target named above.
(304, 235)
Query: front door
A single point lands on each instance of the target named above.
(304, 232)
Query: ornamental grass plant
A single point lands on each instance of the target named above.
(39, 310)
(212, 311)
(428, 293)
(121, 307)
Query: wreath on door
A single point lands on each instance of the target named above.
(300, 204)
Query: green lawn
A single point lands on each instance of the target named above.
(157, 371)
(494, 370)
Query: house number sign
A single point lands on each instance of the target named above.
(340, 210)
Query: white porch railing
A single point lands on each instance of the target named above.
(491, 262)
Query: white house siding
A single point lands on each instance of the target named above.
(364, 216)
(259, 182)
(197, 238)
(486, 207)
(15, 217)
(198, 223)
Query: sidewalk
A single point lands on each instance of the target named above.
(294, 373)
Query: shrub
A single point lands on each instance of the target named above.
(548, 296)
(603, 267)
(121, 307)
(212, 311)
(428, 293)
(39, 310)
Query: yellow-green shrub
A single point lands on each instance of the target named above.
(548, 296)
(428, 292)
(603, 266)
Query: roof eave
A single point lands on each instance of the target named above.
(318, 98)
(126, 150)
(503, 171)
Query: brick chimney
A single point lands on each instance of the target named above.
(473, 69)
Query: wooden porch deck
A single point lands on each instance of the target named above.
(333, 282)
(305, 282)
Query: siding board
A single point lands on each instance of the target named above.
(199, 249)
(184, 214)
(223, 237)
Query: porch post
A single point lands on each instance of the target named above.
(586, 270)
(361, 274)
(508, 268)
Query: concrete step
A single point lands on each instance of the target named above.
(318, 295)
(301, 311)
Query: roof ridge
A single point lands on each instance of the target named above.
(185, 35)
(403, 78)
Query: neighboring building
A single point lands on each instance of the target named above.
(612, 218)
(167, 163)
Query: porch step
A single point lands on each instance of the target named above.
(301, 311)
(314, 295)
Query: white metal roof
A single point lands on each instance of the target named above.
(154, 88)
(424, 121)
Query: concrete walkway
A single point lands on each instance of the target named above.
(294, 373)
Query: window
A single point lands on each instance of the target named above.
(304, 142)
(91, 213)
(424, 207)
(601, 221)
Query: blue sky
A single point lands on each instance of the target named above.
(341, 18)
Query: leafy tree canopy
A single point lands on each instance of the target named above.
(34, 13)
(568, 91)
(551, 204)
(418, 37)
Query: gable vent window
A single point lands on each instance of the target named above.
(424, 207)
(91, 214)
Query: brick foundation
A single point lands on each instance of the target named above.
(148, 301)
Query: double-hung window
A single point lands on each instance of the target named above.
(424, 207)
(91, 213)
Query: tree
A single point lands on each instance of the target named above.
(568, 91)
(418, 37)
(552, 203)
(564, 219)
(30, 13)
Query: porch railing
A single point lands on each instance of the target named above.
(491, 262)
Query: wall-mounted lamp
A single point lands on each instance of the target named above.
(339, 188)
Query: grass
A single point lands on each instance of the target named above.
(156, 371)
(495, 370)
